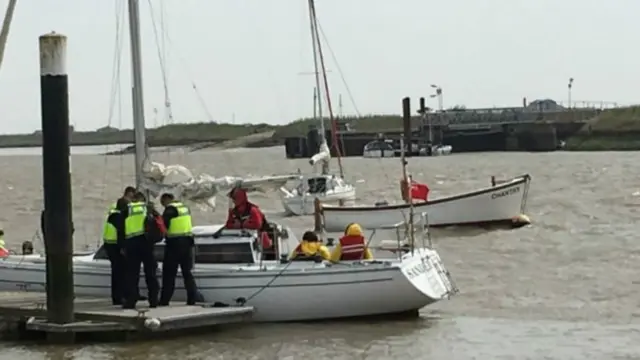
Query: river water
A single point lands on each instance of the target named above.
(566, 287)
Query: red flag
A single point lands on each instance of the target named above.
(419, 191)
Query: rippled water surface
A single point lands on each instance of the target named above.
(566, 287)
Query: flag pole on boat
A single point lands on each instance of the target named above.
(54, 102)
(406, 191)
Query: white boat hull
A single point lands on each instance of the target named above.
(282, 292)
(503, 203)
(376, 154)
(437, 150)
(442, 150)
(304, 205)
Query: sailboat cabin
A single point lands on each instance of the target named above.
(216, 245)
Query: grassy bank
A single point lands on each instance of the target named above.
(178, 134)
(186, 134)
(612, 130)
(615, 129)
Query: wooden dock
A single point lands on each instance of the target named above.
(27, 311)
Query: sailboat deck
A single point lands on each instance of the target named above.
(98, 315)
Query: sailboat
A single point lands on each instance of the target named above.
(326, 187)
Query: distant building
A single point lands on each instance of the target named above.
(544, 105)
(107, 129)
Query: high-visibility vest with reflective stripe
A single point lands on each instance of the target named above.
(134, 224)
(180, 225)
(110, 233)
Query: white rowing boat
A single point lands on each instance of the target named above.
(502, 203)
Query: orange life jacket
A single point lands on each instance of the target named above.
(353, 247)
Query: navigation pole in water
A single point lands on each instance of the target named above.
(57, 180)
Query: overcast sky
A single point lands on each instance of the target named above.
(245, 56)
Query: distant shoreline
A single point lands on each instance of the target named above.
(611, 129)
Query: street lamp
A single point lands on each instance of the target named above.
(438, 95)
(569, 86)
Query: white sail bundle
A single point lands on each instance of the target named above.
(202, 189)
(324, 154)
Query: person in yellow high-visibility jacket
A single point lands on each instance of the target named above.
(138, 250)
(178, 250)
(310, 248)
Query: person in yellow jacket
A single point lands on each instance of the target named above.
(178, 250)
(310, 248)
(352, 246)
(138, 250)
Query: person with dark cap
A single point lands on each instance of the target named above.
(245, 215)
(178, 250)
(127, 197)
(310, 248)
(27, 247)
(139, 250)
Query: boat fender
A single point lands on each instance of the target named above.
(520, 221)
(152, 324)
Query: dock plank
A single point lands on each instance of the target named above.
(98, 314)
(170, 317)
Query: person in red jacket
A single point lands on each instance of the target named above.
(3, 250)
(245, 215)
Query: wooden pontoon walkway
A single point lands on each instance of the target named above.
(98, 315)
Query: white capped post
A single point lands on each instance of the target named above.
(53, 54)
(54, 101)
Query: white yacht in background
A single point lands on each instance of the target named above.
(436, 150)
(326, 187)
(379, 148)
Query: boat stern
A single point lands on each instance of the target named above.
(426, 272)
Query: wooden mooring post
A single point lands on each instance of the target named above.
(406, 122)
(57, 182)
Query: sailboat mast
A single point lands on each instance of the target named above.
(137, 93)
(316, 71)
(334, 127)
(6, 25)
(315, 103)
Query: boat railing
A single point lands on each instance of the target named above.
(405, 234)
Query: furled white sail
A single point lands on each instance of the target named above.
(202, 189)
(323, 154)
